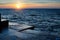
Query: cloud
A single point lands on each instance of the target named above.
(49, 5)
(40, 1)
(28, 1)
(7, 1)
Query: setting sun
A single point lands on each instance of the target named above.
(18, 5)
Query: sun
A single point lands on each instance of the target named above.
(18, 5)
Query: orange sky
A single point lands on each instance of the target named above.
(34, 5)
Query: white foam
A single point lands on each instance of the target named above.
(13, 23)
(19, 27)
(3, 19)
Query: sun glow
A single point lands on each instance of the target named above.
(18, 5)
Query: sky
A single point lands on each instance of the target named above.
(31, 3)
(28, 1)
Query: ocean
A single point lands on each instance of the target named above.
(44, 20)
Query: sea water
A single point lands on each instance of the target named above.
(41, 19)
